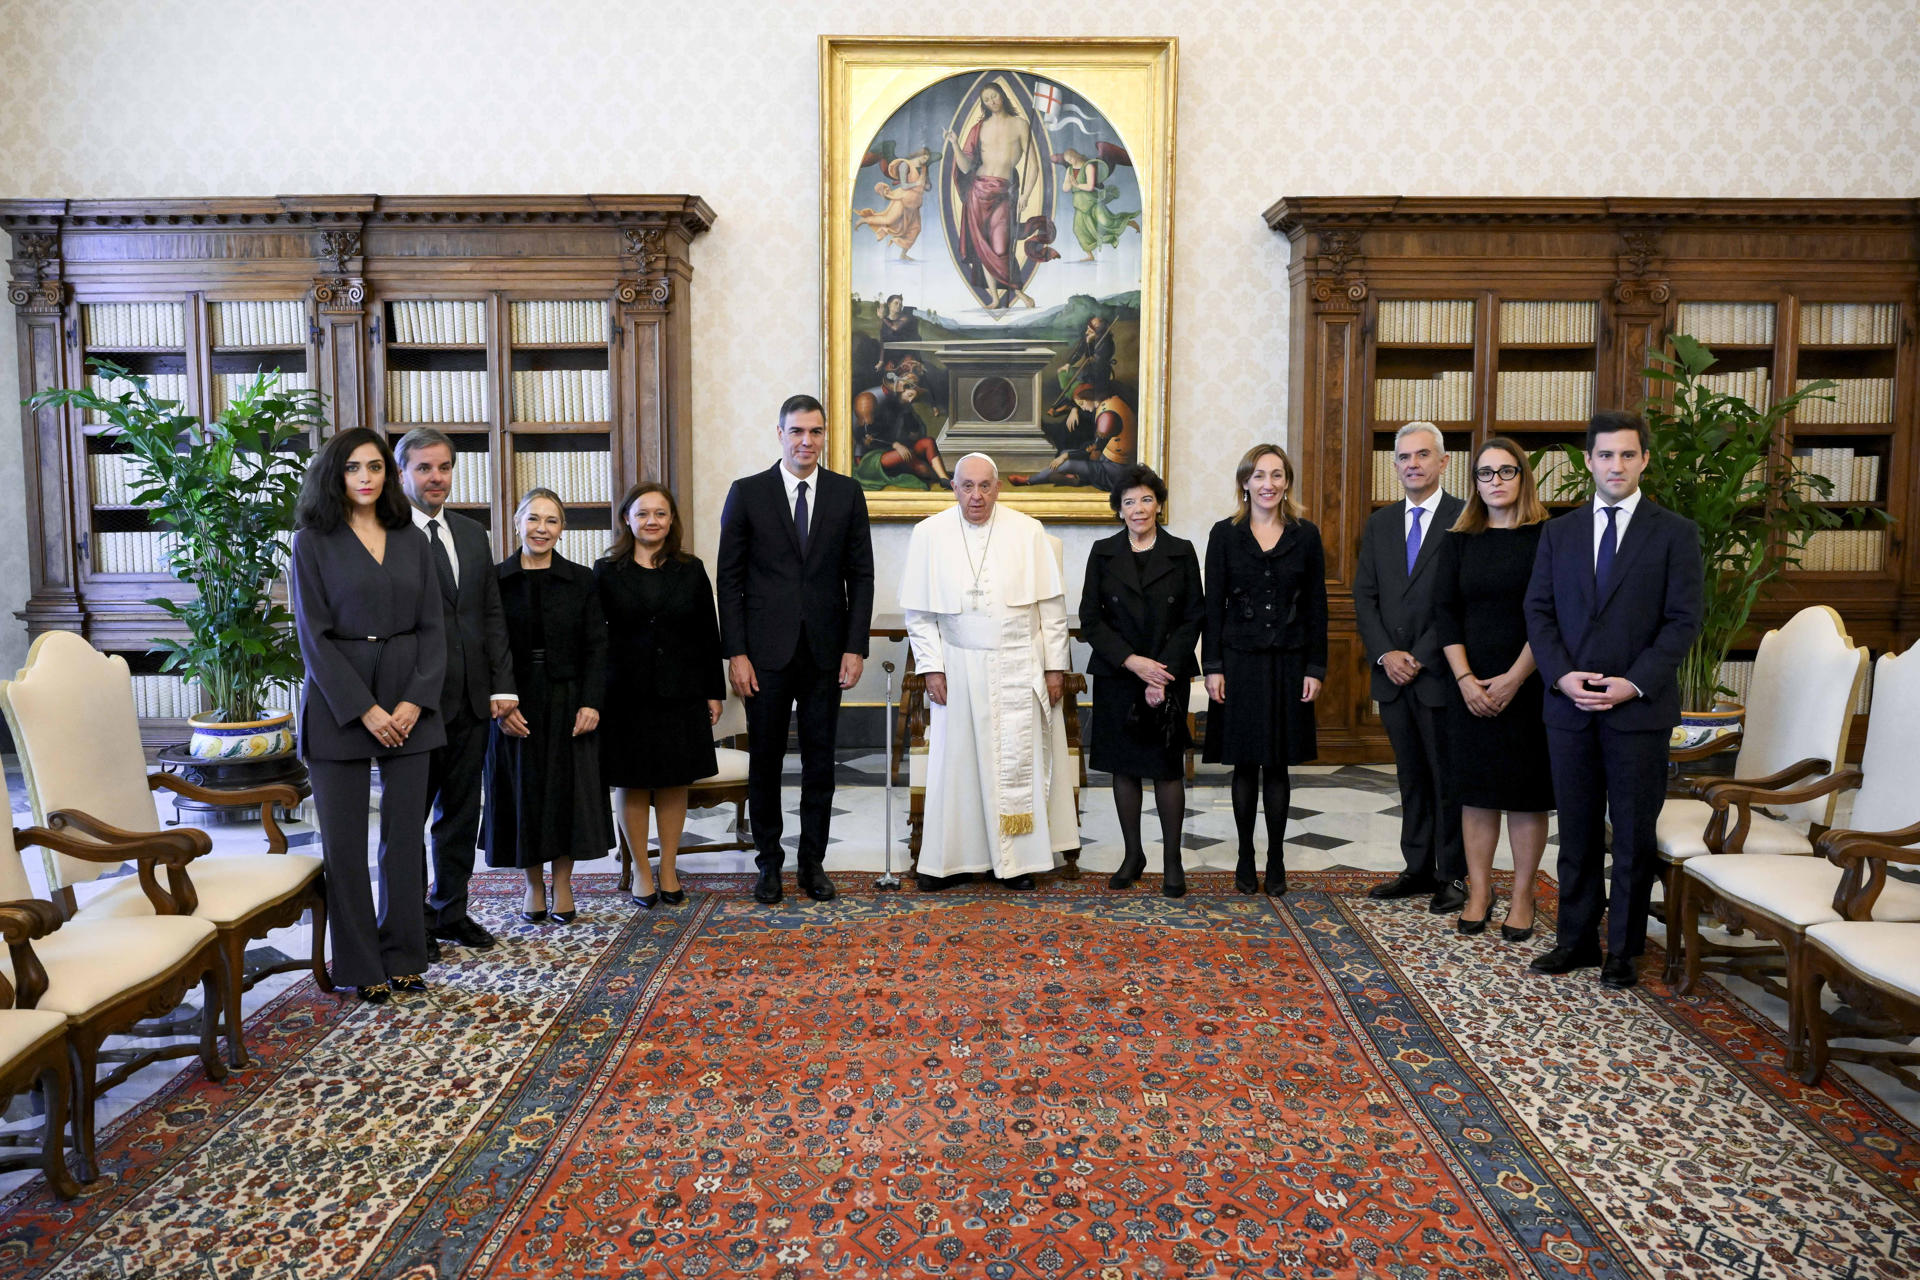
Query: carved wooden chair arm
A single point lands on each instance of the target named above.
(1745, 793)
(146, 850)
(274, 794)
(20, 923)
(1705, 750)
(1863, 860)
(1772, 782)
(26, 919)
(1830, 841)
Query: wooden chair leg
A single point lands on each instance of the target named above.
(1796, 949)
(233, 971)
(1814, 1019)
(1683, 937)
(83, 1056)
(321, 978)
(212, 996)
(55, 1088)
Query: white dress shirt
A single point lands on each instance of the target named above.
(1431, 505)
(1626, 507)
(793, 483)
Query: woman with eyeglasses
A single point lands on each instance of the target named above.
(1498, 740)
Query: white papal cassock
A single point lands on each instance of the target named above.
(986, 604)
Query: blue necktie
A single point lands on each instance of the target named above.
(1603, 562)
(800, 518)
(1413, 538)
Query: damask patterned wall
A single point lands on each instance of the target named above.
(1525, 97)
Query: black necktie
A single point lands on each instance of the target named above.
(800, 518)
(1603, 559)
(441, 560)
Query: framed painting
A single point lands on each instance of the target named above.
(996, 216)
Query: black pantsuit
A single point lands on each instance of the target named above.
(370, 633)
(793, 607)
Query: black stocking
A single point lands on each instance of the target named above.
(1248, 795)
(1126, 803)
(1170, 797)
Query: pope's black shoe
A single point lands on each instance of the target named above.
(767, 888)
(1022, 883)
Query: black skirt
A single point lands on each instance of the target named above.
(1262, 721)
(1501, 763)
(1132, 751)
(545, 799)
(657, 742)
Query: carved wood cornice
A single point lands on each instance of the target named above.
(689, 214)
(1296, 215)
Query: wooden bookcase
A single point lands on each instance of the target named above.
(1520, 316)
(547, 335)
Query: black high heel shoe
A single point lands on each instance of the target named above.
(1243, 878)
(1276, 878)
(673, 897)
(1130, 868)
(647, 901)
(533, 916)
(1173, 878)
(1510, 933)
(1471, 927)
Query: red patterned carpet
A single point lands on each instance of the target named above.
(1073, 1083)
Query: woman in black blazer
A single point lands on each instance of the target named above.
(545, 801)
(664, 681)
(1264, 651)
(372, 632)
(1141, 607)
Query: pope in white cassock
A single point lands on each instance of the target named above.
(986, 610)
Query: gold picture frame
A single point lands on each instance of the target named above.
(997, 220)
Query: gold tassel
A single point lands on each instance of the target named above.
(1016, 824)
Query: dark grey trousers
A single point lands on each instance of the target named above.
(453, 793)
(370, 947)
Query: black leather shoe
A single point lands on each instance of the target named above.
(1276, 877)
(409, 982)
(647, 901)
(1022, 883)
(932, 883)
(1404, 885)
(814, 882)
(1448, 898)
(1618, 973)
(1173, 878)
(378, 993)
(673, 897)
(464, 933)
(767, 888)
(1564, 960)
(433, 947)
(1471, 927)
(1244, 880)
(1129, 871)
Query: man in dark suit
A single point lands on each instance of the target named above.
(1393, 602)
(1612, 608)
(795, 585)
(479, 681)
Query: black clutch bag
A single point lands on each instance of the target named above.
(1154, 726)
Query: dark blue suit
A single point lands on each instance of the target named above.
(1612, 761)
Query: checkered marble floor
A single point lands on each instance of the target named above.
(1340, 816)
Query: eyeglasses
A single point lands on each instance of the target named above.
(1507, 472)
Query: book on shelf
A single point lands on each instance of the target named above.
(584, 546)
(1544, 396)
(1755, 386)
(166, 697)
(441, 323)
(436, 395)
(1855, 476)
(113, 326)
(1844, 551)
(1737, 675)
(562, 395)
(1432, 320)
(555, 321)
(145, 551)
(1854, 400)
(116, 478)
(228, 386)
(1553, 467)
(579, 477)
(1548, 322)
(1849, 324)
(1739, 324)
(161, 386)
(472, 478)
(279, 322)
(1445, 397)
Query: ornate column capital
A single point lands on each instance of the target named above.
(1337, 284)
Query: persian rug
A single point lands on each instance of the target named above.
(1068, 1083)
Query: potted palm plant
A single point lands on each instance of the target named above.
(1712, 460)
(224, 491)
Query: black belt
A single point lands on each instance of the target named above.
(335, 635)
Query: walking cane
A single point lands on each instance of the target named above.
(888, 880)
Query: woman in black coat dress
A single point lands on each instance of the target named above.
(665, 684)
(545, 801)
(1498, 760)
(367, 613)
(1264, 650)
(1141, 608)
